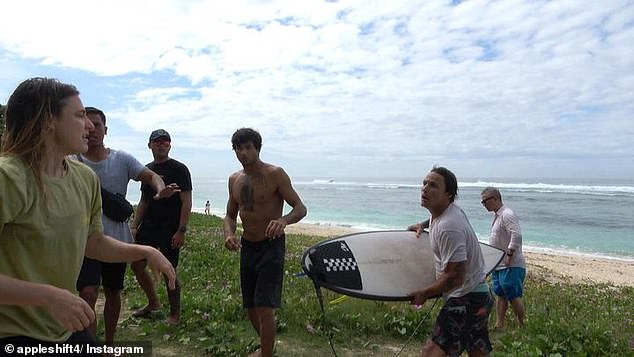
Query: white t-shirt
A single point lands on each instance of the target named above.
(115, 172)
(506, 234)
(454, 240)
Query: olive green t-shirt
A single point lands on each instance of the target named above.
(44, 240)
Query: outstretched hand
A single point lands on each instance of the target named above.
(168, 191)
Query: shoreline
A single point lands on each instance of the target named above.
(553, 266)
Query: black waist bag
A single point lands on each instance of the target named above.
(115, 206)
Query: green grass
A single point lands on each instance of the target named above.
(563, 319)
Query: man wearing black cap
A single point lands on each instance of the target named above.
(162, 224)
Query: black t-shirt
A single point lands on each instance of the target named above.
(165, 213)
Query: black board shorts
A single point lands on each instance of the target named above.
(95, 273)
(262, 272)
(160, 239)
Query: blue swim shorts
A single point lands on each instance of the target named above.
(509, 283)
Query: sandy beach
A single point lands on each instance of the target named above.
(581, 269)
(577, 269)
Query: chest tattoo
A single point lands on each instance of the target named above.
(247, 191)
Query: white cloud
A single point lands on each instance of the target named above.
(367, 82)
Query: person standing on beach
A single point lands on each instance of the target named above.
(508, 278)
(207, 208)
(462, 324)
(162, 223)
(115, 169)
(257, 193)
(50, 218)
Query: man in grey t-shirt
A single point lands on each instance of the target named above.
(462, 324)
(115, 169)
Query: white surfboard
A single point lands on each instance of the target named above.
(382, 265)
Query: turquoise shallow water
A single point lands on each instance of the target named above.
(594, 218)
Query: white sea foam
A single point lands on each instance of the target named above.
(528, 187)
(547, 188)
(577, 253)
(592, 219)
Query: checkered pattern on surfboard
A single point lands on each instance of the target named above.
(334, 264)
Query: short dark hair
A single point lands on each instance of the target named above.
(244, 135)
(451, 182)
(93, 110)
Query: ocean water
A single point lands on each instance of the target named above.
(592, 218)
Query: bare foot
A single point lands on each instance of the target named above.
(173, 320)
(257, 353)
(146, 311)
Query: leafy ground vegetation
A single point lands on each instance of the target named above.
(564, 318)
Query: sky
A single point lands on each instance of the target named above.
(489, 89)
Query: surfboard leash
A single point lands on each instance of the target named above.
(417, 327)
(323, 315)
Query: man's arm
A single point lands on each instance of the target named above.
(418, 227)
(178, 239)
(71, 311)
(107, 249)
(230, 223)
(512, 225)
(451, 278)
(288, 193)
(138, 217)
(186, 207)
(155, 181)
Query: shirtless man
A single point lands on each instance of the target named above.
(258, 193)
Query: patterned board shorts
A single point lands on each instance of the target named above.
(463, 324)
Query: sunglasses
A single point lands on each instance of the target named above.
(161, 141)
(486, 199)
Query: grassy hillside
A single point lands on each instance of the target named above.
(564, 319)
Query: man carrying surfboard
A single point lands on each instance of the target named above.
(258, 193)
(462, 324)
